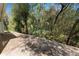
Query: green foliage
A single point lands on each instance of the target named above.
(37, 20)
(12, 24)
(20, 14)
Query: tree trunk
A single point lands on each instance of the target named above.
(1, 27)
(62, 9)
(71, 32)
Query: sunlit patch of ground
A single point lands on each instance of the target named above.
(29, 45)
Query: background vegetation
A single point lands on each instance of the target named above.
(58, 22)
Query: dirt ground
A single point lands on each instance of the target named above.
(4, 39)
(17, 44)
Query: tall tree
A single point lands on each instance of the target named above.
(2, 10)
(20, 16)
(73, 29)
(63, 7)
